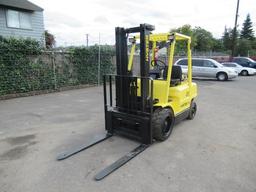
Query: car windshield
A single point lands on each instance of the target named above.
(251, 60)
(217, 63)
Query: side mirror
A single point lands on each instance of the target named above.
(215, 66)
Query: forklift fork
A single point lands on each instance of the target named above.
(120, 162)
(111, 168)
(72, 152)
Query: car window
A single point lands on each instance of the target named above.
(251, 65)
(243, 60)
(236, 60)
(197, 62)
(207, 63)
(226, 65)
(183, 62)
(230, 65)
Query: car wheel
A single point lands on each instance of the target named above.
(222, 76)
(244, 73)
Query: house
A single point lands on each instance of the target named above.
(21, 19)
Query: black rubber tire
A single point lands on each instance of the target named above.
(192, 110)
(162, 123)
(244, 73)
(220, 76)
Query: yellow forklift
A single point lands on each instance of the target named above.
(144, 107)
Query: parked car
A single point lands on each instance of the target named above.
(245, 71)
(202, 67)
(245, 62)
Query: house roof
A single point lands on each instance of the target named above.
(21, 4)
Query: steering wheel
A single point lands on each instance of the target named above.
(160, 64)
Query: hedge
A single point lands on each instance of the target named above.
(20, 72)
(17, 73)
(86, 62)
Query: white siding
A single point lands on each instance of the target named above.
(37, 32)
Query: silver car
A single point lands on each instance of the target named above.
(202, 67)
(245, 71)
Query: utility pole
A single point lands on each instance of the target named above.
(99, 63)
(234, 31)
(87, 39)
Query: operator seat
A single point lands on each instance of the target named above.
(176, 76)
(155, 73)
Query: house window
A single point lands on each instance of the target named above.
(18, 19)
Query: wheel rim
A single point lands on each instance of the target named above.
(244, 73)
(167, 126)
(222, 77)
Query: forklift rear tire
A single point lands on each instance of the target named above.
(192, 110)
(162, 123)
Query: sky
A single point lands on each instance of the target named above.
(70, 21)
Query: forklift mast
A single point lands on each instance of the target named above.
(131, 115)
(122, 64)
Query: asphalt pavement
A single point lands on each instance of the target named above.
(215, 152)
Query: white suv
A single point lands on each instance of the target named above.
(208, 68)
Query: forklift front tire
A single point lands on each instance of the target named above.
(192, 110)
(162, 123)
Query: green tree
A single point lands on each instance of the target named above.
(217, 45)
(244, 46)
(186, 30)
(181, 45)
(253, 43)
(227, 38)
(49, 40)
(247, 30)
(205, 40)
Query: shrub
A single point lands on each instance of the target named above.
(17, 72)
(22, 70)
(86, 63)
